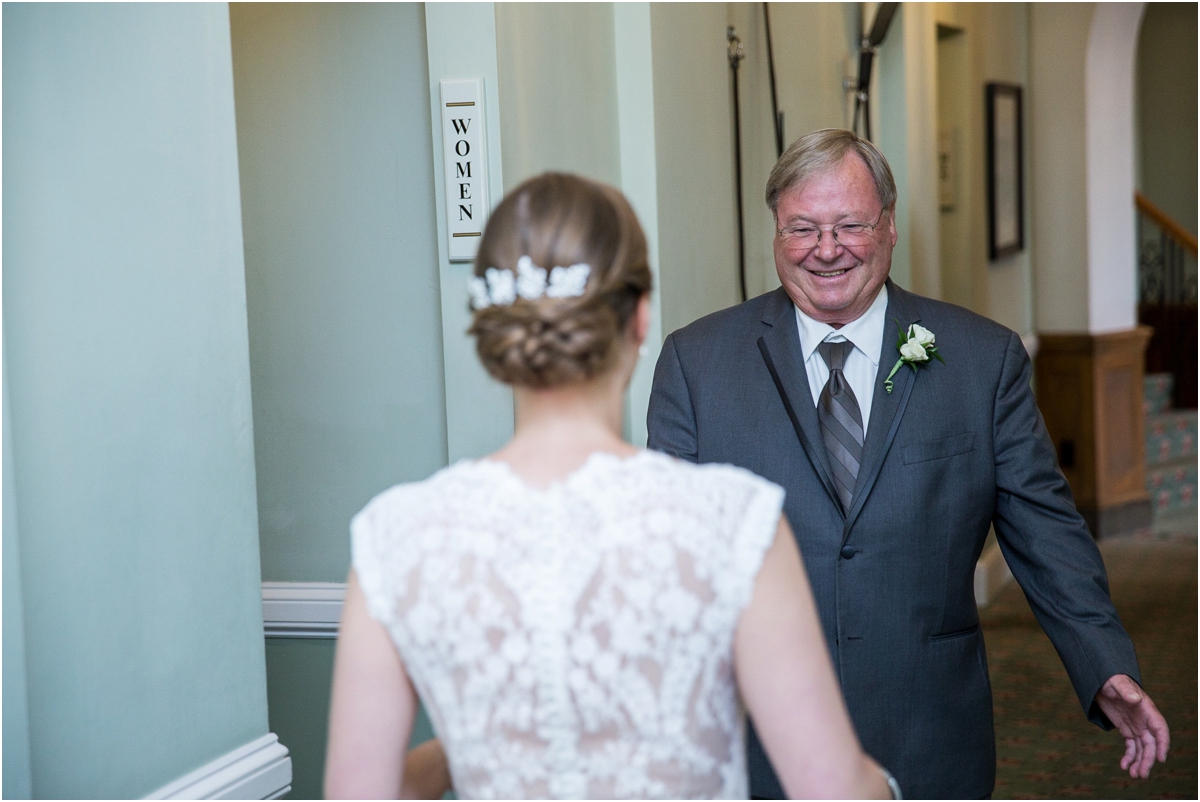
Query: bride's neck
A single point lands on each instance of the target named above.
(582, 414)
(558, 428)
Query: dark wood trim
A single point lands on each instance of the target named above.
(998, 250)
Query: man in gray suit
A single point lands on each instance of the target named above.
(894, 476)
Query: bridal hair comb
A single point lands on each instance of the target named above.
(501, 288)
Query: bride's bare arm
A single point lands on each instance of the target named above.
(786, 679)
(371, 711)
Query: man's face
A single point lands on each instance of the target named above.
(830, 282)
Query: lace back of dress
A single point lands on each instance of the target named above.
(574, 642)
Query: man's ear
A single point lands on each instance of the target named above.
(892, 225)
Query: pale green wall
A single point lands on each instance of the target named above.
(17, 780)
(129, 395)
(558, 94)
(298, 683)
(814, 45)
(889, 101)
(634, 53)
(341, 268)
(577, 94)
(1166, 93)
(907, 135)
(693, 121)
(299, 671)
(812, 42)
(345, 331)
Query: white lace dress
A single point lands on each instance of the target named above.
(575, 641)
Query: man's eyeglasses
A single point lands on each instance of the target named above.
(806, 235)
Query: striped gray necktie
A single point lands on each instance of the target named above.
(841, 422)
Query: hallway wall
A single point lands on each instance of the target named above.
(18, 782)
(130, 454)
(693, 122)
(908, 99)
(1111, 158)
(812, 43)
(906, 133)
(568, 101)
(1002, 55)
(1058, 46)
(558, 93)
(1082, 91)
(1166, 95)
(341, 268)
(344, 314)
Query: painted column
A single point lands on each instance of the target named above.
(461, 42)
(639, 181)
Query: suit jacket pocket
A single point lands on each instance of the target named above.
(962, 633)
(939, 449)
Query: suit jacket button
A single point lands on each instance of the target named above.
(848, 552)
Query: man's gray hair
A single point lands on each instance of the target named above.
(824, 150)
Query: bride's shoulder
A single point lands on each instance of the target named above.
(726, 517)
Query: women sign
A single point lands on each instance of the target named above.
(465, 166)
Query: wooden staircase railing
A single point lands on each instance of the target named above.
(1167, 297)
(1165, 222)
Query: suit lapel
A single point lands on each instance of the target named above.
(887, 409)
(780, 348)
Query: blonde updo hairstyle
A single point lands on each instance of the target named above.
(560, 220)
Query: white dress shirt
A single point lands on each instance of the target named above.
(862, 363)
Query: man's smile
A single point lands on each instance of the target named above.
(830, 273)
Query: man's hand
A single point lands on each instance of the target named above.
(1134, 715)
(426, 772)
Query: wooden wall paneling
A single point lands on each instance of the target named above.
(1063, 374)
(1120, 431)
(1089, 389)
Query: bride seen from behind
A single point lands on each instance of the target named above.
(581, 618)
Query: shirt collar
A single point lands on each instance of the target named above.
(866, 332)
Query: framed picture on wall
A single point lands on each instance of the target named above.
(1006, 196)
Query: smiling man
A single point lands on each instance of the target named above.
(896, 465)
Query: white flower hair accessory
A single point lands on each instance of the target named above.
(531, 279)
(568, 282)
(501, 288)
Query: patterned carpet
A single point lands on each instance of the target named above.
(1046, 749)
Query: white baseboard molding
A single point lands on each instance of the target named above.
(302, 609)
(991, 574)
(260, 769)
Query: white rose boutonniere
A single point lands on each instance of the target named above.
(915, 347)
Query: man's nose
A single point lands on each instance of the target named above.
(827, 247)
